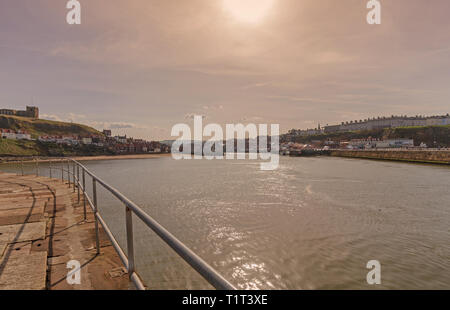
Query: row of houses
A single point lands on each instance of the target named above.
(116, 144)
(376, 123)
(123, 145)
(71, 140)
(354, 144)
(378, 144)
(306, 132)
(389, 122)
(14, 135)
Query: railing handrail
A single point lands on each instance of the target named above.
(196, 262)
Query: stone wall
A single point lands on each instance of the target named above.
(425, 156)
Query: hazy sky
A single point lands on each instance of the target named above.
(141, 66)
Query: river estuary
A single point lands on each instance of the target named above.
(312, 224)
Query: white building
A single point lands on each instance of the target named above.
(401, 142)
(10, 134)
(438, 121)
(395, 143)
(86, 140)
(121, 139)
(23, 136)
(362, 143)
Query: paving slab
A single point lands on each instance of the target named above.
(20, 204)
(22, 215)
(15, 271)
(22, 232)
(2, 248)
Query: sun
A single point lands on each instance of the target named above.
(248, 11)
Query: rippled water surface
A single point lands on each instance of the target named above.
(312, 224)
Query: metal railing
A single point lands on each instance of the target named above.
(197, 263)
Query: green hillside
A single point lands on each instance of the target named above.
(20, 148)
(38, 127)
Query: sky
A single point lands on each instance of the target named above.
(139, 67)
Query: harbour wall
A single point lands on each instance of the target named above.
(421, 156)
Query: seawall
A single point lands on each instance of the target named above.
(420, 156)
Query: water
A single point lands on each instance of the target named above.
(312, 224)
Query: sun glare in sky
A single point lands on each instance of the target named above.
(248, 11)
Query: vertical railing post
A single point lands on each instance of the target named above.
(68, 172)
(78, 182)
(84, 194)
(62, 172)
(50, 167)
(130, 244)
(74, 182)
(21, 166)
(37, 167)
(94, 193)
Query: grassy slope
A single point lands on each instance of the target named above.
(15, 148)
(428, 135)
(19, 148)
(38, 127)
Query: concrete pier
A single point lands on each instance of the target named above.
(42, 228)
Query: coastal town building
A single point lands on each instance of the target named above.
(354, 144)
(66, 140)
(389, 122)
(14, 135)
(86, 140)
(31, 112)
(307, 132)
(121, 139)
(375, 123)
(117, 145)
(377, 143)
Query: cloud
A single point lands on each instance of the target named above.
(122, 125)
(251, 119)
(190, 116)
(116, 125)
(83, 119)
(320, 57)
(75, 118)
(212, 107)
(159, 129)
(256, 85)
(51, 117)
